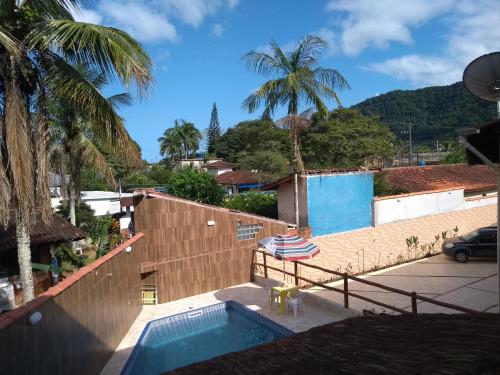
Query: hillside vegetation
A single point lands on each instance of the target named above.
(436, 112)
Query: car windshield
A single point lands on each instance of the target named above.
(471, 235)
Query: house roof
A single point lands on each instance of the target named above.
(382, 344)
(240, 178)
(55, 231)
(311, 172)
(218, 164)
(439, 177)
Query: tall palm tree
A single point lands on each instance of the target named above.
(190, 136)
(80, 137)
(38, 40)
(297, 80)
(180, 141)
(171, 144)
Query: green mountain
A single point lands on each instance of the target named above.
(435, 112)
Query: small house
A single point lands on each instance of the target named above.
(234, 182)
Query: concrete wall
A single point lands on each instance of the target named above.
(339, 202)
(411, 206)
(286, 202)
(102, 202)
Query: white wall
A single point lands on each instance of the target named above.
(102, 202)
(390, 209)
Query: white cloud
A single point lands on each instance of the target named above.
(87, 15)
(138, 20)
(331, 38)
(419, 70)
(471, 35)
(153, 20)
(368, 23)
(217, 30)
(193, 12)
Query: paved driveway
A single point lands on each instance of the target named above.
(471, 285)
(361, 250)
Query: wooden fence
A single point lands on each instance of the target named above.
(82, 319)
(191, 248)
(414, 297)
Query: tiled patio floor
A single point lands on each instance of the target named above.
(380, 246)
(472, 285)
(317, 312)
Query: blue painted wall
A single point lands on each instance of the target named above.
(339, 202)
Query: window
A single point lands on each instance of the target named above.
(247, 232)
(488, 238)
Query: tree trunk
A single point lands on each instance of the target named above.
(24, 257)
(72, 203)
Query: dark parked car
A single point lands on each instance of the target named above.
(481, 242)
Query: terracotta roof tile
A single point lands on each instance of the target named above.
(240, 177)
(218, 164)
(439, 177)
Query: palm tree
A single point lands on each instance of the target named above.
(190, 136)
(40, 45)
(171, 144)
(180, 141)
(80, 137)
(296, 80)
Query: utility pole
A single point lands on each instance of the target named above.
(411, 147)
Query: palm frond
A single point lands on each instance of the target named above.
(121, 99)
(8, 41)
(57, 9)
(308, 51)
(113, 52)
(42, 157)
(262, 63)
(5, 194)
(18, 149)
(93, 158)
(331, 78)
(268, 93)
(69, 84)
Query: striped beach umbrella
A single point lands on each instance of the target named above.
(287, 247)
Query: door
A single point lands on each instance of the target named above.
(487, 246)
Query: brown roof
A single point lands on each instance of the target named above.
(383, 344)
(439, 177)
(240, 178)
(218, 164)
(309, 172)
(55, 231)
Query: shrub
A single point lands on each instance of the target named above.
(195, 185)
(254, 202)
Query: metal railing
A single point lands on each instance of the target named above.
(414, 297)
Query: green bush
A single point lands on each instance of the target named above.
(263, 204)
(195, 185)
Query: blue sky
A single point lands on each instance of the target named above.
(196, 47)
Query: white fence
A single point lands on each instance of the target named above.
(411, 206)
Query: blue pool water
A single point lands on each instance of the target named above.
(198, 335)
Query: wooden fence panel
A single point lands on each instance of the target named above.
(192, 257)
(84, 318)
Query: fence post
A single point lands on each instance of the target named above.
(296, 273)
(265, 265)
(414, 303)
(252, 270)
(346, 290)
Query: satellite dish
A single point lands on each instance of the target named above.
(482, 78)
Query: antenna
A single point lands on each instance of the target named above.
(482, 78)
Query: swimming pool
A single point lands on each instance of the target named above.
(197, 335)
